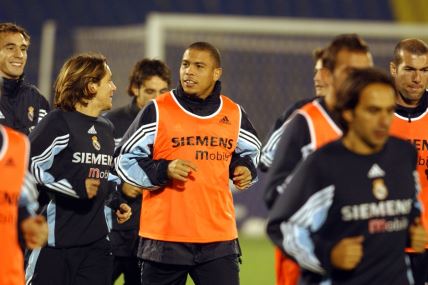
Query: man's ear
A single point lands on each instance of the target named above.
(217, 73)
(348, 116)
(135, 91)
(392, 69)
(92, 87)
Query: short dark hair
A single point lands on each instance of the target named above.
(215, 53)
(11, 28)
(318, 53)
(350, 42)
(349, 92)
(413, 46)
(71, 85)
(145, 69)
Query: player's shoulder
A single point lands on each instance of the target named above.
(297, 122)
(105, 122)
(400, 146)
(293, 108)
(302, 102)
(31, 90)
(330, 153)
(54, 122)
(116, 113)
(55, 115)
(13, 133)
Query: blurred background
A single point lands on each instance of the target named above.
(266, 45)
(266, 48)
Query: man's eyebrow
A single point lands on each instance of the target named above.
(9, 44)
(13, 45)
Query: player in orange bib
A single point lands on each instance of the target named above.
(350, 209)
(185, 146)
(311, 127)
(409, 68)
(18, 203)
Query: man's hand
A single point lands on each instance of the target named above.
(123, 213)
(35, 231)
(347, 253)
(92, 185)
(242, 177)
(418, 236)
(180, 169)
(131, 190)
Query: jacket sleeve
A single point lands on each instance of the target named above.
(268, 151)
(298, 213)
(291, 149)
(28, 203)
(133, 158)
(417, 205)
(48, 140)
(44, 108)
(247, 151)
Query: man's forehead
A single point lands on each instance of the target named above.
(407, 58)
(195, 55)
(318, 64)
(378, 94)
(13, 38)
(154, 82)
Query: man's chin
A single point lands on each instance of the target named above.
(107, 108)
(190, 93)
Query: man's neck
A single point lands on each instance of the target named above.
(88, 110)
(355, 144)
(330, 102)
(404, 102)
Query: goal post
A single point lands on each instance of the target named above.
(159, 23)
(267, 61)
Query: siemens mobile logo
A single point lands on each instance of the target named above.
(97, 173)
(202, 141)
(220, 143)
(419, 144)
(365, 211)
(8, 198)
(92, 158)
(382, 217)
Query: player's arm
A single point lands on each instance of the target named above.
(133, 158)
(269, 148)
(417, 233)
(294, 140)
(34, 228)
(118, 201)
(48, 140)
(417, 239)
(299, 212)
(243, 166)
(44, 108)
(417, 236)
